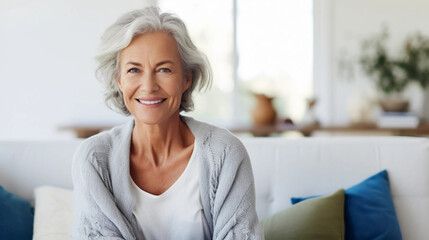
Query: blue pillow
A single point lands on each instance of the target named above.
(16, 217)
(369, 211)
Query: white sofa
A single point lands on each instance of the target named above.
(283, 168)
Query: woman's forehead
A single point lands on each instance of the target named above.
(152, 45)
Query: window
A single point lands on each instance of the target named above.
(254, 47)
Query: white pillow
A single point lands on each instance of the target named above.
(53, 216)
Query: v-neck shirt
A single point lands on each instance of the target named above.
(177, 213)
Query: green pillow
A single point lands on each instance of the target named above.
(316, 218)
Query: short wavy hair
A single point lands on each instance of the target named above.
(119, 35)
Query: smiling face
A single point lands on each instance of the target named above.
(151, 78)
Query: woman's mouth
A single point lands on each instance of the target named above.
(151, 102)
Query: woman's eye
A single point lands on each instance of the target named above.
(133, 70)
(164, 70)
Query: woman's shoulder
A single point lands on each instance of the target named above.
(102, 143)
(215, 136)
(96, 143)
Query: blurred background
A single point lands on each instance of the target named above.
(303, 56)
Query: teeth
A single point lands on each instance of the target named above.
(150, 102)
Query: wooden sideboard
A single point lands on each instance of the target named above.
(309, 130)
(82, 131)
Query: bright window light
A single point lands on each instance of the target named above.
(274, 48)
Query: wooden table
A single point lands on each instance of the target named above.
(309, 130)
(84, 131)
(268, 130)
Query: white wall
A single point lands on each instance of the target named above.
(46, 65)
(47, 72)
(340, 26)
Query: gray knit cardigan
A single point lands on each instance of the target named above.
(103, 202)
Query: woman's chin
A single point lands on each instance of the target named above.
(155, 116)
(152, 120)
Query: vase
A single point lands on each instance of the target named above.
(264, 112)
(418, 97)
(394, 102)
(310, 117)
(398, 105)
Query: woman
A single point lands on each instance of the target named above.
(162, 175)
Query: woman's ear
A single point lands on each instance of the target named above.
(188, 81)
(118, 81)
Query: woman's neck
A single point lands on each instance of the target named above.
(158, 142)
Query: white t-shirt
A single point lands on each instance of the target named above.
(175, 214)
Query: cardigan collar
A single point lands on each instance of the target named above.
(120, 166)
(120, 160)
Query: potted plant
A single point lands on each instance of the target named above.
(392, 75)
(415, 60)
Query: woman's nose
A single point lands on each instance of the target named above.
(149, 83)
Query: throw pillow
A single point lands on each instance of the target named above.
(318, 218)
(369, 210)
(54, 213)
(16, 217)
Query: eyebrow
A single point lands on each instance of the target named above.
(164, 62)
(158, 64)
(134, 63)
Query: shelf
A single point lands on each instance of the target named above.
(267, 130)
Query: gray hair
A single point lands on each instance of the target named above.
(119, 35)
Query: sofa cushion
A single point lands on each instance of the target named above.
(16, 217)
(317, 218)
(53, 218)
(369, 210)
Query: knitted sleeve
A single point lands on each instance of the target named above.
(234, 206)
(95, 213)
